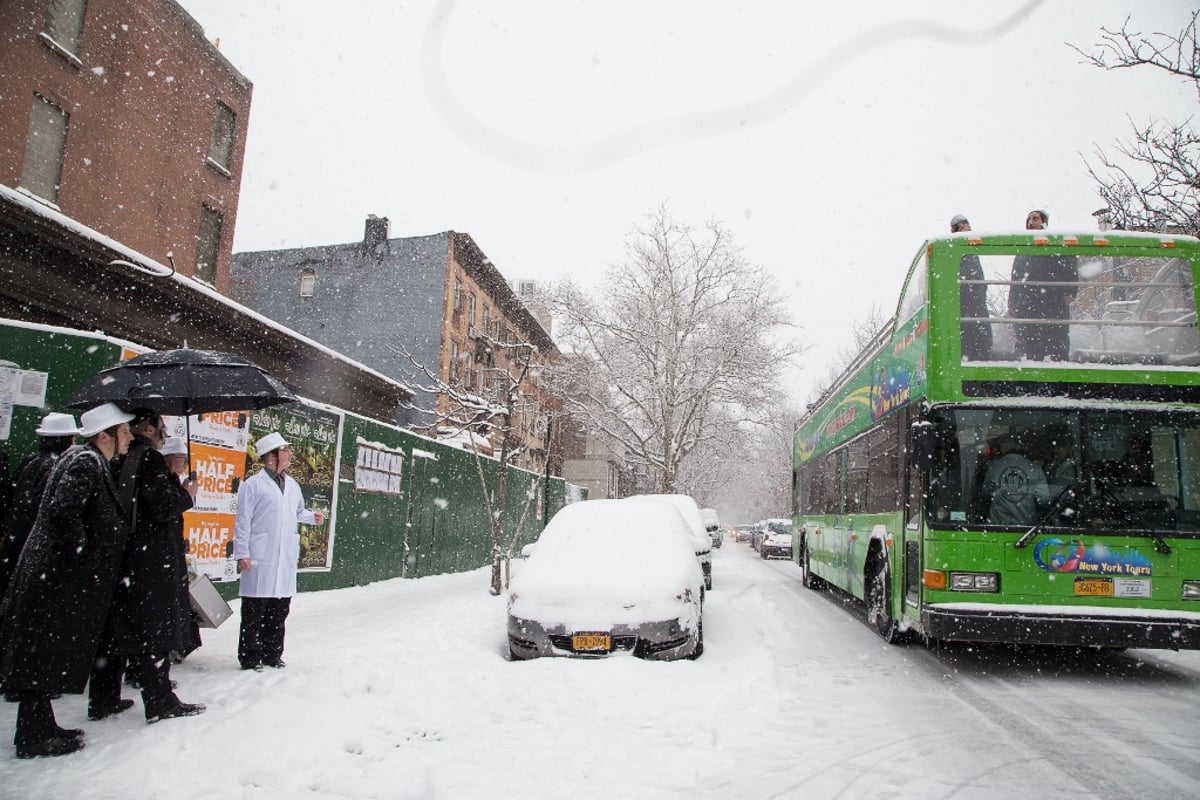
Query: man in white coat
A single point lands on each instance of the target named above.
(266, 545)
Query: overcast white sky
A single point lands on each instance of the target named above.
(831, 140)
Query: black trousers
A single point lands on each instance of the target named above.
(35, 719)
(153, 671)
(260, 639)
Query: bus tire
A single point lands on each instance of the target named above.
(879, 589)
(810, 581)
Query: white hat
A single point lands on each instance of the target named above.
(101, 418)
(268, 443)
(55, 424)
(174, 446)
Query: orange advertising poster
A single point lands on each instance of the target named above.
(208, 538)
(219, 472)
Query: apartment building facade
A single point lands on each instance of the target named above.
(121, 115)
(425, 310)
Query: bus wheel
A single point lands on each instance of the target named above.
(809, 580)
(879, 589)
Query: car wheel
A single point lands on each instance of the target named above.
(513, 655)
(699, 649)
(708, 581)
(809, 580)
(878, 591)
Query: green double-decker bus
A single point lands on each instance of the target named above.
(1015, 456)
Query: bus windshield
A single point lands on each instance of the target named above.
(1083, 309)
(1067, 469)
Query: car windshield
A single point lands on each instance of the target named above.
(1095, 469)
(779, 527)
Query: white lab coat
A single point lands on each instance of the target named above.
(265, 531)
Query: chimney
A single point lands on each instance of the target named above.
(375, 236)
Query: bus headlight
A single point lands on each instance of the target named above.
(1191, 590)
(974, 582)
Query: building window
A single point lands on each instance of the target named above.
(308, 280)
(457, 296)
(454, 365)
(208, 244)
(64, 25)
(220, 151)
(471, 314)
(44, 147)
(487, 320)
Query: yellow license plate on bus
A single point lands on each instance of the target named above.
(1093, 587)
(591, 642)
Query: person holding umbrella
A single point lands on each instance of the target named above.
(148, 613)
(266, 545)
(63, 585)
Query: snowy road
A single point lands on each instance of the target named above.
(402, 690)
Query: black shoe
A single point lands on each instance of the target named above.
(95, 713)
(254, 665)
(54, 746)
(70, 733)
(275, 663)
(179, 709)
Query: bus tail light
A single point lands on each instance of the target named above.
(934, 579)
(974, 582)
(1191, 590)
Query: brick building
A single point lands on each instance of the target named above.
(122, 115)
(437, 296)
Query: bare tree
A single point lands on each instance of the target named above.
(682, 338)
(483, 418)
(864, 330)
(1153, 183)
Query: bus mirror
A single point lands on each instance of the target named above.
(922, 443)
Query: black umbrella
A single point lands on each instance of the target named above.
(182, 383)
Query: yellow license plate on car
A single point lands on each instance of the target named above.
(591, 642)
(1093, 587)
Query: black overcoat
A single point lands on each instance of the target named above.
(27, 496)
(63, 585)
(148, 612)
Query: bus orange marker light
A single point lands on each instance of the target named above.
(1070, 240)
(934, 579)
(1100, 242)
(1167, 243)
(974, 241)
(1041, 241)
(853, 536)
(888, 541)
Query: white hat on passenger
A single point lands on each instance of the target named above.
(56, 424)
(101, 418)
(174, 446)
(269, 443)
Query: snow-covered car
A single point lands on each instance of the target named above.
(776, 539)
(608, 576)
(712, 524)
(687, 507)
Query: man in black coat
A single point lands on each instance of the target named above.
(1042, 300)
(147, 614)
(56, 433)
(63, 585)
(976, 337)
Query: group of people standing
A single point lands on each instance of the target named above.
(93, 573)
(1041, 290)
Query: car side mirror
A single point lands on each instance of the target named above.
(922, 443)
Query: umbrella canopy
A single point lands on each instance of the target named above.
(182, 383)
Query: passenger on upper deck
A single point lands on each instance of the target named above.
(972, 301)
(1042, 341)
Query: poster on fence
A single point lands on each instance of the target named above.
(217, 447)
(314, 434)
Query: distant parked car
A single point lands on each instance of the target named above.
(776, 539)
(712, 524)
(756, 535)
(741, 533)
(691, 514)
(606, 576)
